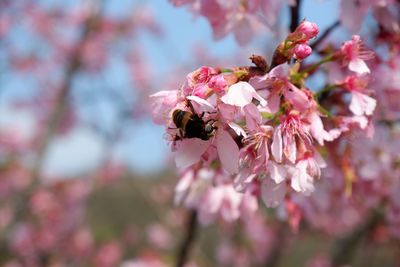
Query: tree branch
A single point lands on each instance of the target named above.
(187, 242)
(345, 247)
(325, 34)
(61, 105)
(294, 16)
(58, 112)
(278, 246)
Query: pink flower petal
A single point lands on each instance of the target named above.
(228, 152)
(319, 160)
(182, 187)
(301, 180)
(280, 71)
(317, 129)
(227, 112)
(277, 172)
(230, 209)
(274, 102)
(161, 104)
(271, 193)
(276, 146)
(243, 179)
(253, 116)
(290, 148)
(242, 30)
(190, 151)
(297, 97)
(259, 82)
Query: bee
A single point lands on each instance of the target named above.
(191, 125)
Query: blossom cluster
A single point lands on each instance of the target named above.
(242, 18)
(247, 132)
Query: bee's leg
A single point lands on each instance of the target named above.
(181, 134)
(177, 137)
(189, 104)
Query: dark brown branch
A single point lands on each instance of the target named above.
(325, 34)
(279, 245)
(58, 112)
(294, 16)
(187, 242)
(345, 247)
(61, 105)
(54, 122)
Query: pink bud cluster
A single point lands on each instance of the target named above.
(303, 33)
(296, 44)
(254, 132)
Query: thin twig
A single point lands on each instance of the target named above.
(294, 16)
(187, 243)
(325, 34)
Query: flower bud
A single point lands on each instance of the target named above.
(301, 51)
(310, 29)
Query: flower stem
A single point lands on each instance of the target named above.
(325, 34)
(317, 64)
(325, 90)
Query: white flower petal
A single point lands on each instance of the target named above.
(301, 181)
(362, 104)
(238, 129)
(204, 104)
(240, 94)
(358, 65)
(277, 172)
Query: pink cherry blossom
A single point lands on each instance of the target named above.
(225, 201)
(269, 127)
(291, 135)
(275, 83)
(360, 103)
(354, 55)
(245, 19)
